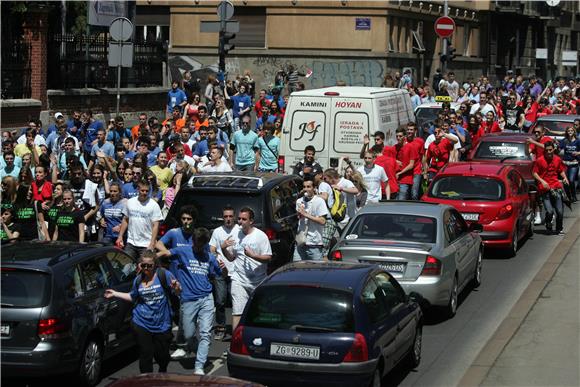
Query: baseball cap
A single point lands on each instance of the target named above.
(58, 115)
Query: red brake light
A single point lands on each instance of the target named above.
(505, 212)
(7, 269)
(53, 328)
(432, 266)
(237, 345)
(332, 93)
(163, 227)
(271, 234)
(358, 351)
(336, 255)
(281, 163)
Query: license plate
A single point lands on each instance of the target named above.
(295, 351)
(392, 267)
(470, 216)
(5, 330)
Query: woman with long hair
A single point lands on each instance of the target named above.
(156, 193)
(224, 120)
(9, 187)
(179, 178)
(275, 110)
(570, 146)
(25, 176)
(70, 222)
(55, 206)
(26, 215)
(190, 110)
(112, 213)
(151, 321)
(353, 175)
(119, 174)
(9, 231)
(278, 127)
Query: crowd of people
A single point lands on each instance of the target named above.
(83, 180)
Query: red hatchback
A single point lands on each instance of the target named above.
(490, 193)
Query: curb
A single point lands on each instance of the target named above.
(478, 370)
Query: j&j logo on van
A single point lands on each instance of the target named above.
(308, 128)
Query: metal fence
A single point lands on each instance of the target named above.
(16, 70)
(76, 61)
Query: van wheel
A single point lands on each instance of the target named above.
(91, 363)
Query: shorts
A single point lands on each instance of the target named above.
(240, 295)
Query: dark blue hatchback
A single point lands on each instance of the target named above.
(328, 323)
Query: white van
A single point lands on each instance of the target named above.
(335, 119)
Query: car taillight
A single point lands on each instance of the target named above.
(336, 255)
(358, 351)
(281, 164)
(505, 212)
(53, 328)
(163, 227)
(237, 345)
(432, 266)
(270, 233)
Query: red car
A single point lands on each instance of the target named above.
(493, 194)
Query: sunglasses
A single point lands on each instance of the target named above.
(146, 266)
(186, 218)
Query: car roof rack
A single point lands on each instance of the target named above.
(226, 181)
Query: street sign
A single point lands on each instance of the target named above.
(569, 58)
(232, 26)
(225, 10)
(120, 54)
(444, 26)
(121, 29)
(541, 53)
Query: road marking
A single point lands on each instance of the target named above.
(219, 363)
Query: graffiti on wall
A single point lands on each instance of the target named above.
(325, 72)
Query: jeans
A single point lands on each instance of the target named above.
(404, 191)
(152, 345)
(553, 202)
(220, 296)
(416, 190)
(202, 311)
(248, 167)
(572, 175)
(308, 253)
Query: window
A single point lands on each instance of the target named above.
(24, 288)
(73, 286)
(494, 150)
(394, 294)
(123, 266)
(252, 27)
(467, 188)
(410, 228)
(456, 225)
(283, 199)
(373, 300)
(95, 274)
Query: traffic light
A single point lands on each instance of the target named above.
(224, 47)
(451, 53)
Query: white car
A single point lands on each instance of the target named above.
(426, 114)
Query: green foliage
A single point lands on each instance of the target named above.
(77, 13)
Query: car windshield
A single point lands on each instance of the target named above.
(306, 308)
(24, 288)
(210, 204)
(556, 126)
(426, 115)
(407, 228)
(501, 150)
(467, 188)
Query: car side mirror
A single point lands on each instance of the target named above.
(477, 227)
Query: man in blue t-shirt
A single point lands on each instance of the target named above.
(268, 150)
(202, 148)
(102, 148)
(195, 267)
(88, 132)
(175, 97)
(241, 105)
(243, 147)
(112, 213)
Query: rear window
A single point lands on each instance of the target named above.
(301, 308)
(24, 288)
(425, 116)
(500, 150)
(555, 126)
(210, 204)
(410, 228)
(467, 188)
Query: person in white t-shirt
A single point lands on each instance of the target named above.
(332, 177)
(250, 252)
(483, 106)
(312, 212)
(373, 175)
(216, 162)
(141, 219)
(325, 192)
(222, 238)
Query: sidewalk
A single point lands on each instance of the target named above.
(540, 347)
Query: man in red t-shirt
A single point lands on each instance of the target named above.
(386, 159)
(419, 145)
(546, 171)
(438, 152)
(406, 155)
(536, 146)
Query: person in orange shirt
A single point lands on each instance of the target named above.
(202, 119)
(140, 127)
(177, 118)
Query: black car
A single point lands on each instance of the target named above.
(55, 319)
(272, 197)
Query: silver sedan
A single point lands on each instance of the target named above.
(428, 248)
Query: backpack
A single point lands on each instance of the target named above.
(338, 209)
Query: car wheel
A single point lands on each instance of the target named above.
(376, 382)
(91, 363)
(451, 308)
(478, 268)
(515, 242)
(414, 357)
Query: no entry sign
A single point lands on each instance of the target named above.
(444, 26)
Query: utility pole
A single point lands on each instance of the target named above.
(444, 42)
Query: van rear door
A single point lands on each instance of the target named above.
(351, 120)
(308, 124)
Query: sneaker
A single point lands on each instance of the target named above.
(549, 227)
(198, 371)
(560, 232)
(538, 219)
(179, 353)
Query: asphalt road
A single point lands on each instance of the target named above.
(449, 346)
